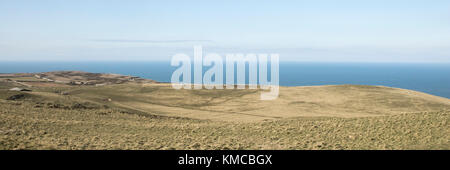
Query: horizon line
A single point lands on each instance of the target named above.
(168, 60)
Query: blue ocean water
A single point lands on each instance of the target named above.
(432, 78)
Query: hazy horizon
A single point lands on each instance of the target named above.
(310, 31)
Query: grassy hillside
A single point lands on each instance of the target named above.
(148, 115)
(244, 105)
(23, 126)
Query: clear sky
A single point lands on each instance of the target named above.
(315, 30)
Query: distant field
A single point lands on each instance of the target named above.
(244, 105)
(142, 115)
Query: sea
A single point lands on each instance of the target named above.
(432, 78)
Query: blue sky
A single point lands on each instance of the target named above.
(315, 30)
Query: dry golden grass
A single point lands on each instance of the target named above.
(155, 116)
(244, 105)
(23, 126)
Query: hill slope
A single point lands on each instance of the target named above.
(148, 115)
(244, 105)
(23, 126)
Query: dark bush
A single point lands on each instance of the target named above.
(16, 97)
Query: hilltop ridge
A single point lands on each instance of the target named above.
(242, 105)
(72, 78)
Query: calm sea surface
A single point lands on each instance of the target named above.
(429, 78)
